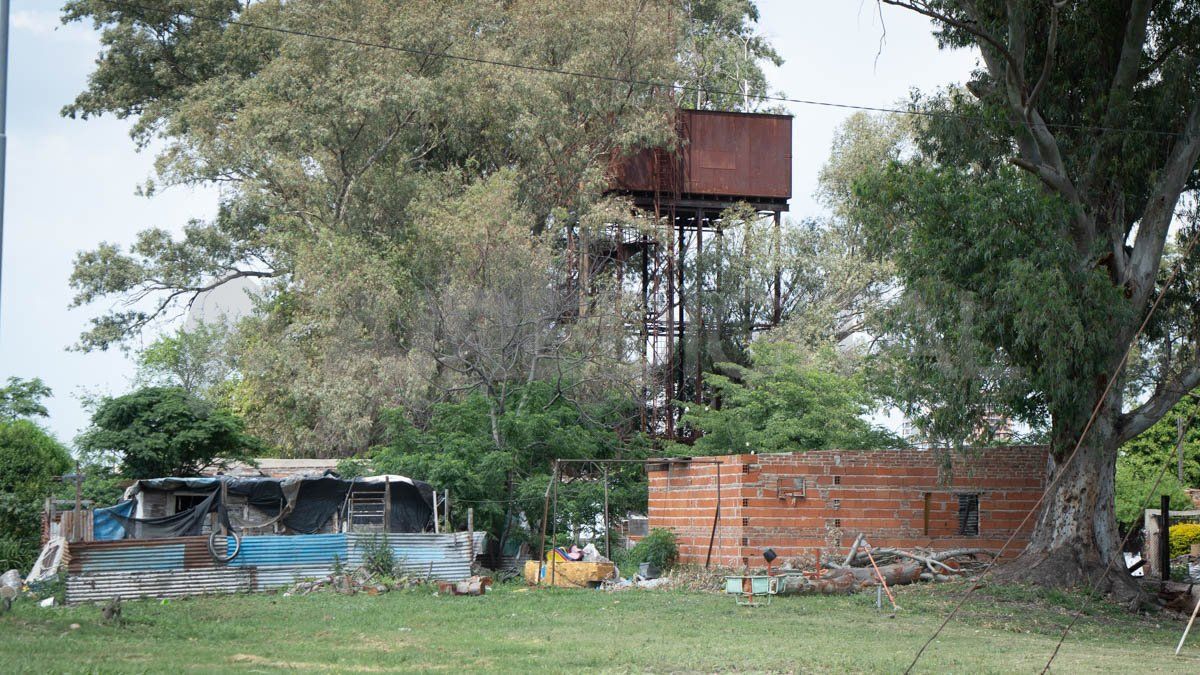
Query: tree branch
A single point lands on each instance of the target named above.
(1134, 422)
(1160, 209)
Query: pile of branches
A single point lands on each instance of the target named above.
(896, 567)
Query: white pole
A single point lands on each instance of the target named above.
(1189, 627)
(436, 529)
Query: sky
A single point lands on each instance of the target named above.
(71, 184)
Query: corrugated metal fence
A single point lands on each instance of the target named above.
(162, 568)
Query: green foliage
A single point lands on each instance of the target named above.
(16, 553)
(23, 398)
(164, 431)
(29, 459)
(658, 548)
(996, 315)
(499, 460)
(354, 467)
(1183, 535)
(1158, 443)
(787, 400)
(387, 205)
(378, 557)
(1134, 480)
(195, 360)
(723, 52)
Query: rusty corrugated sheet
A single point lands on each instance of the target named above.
(722, 155)
(94, 586)
(182, 566)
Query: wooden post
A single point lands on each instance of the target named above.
(436, 527)
(716, 517)
(1182, 433)
(471, 531)
(76, 534)
(607, 539)
(777, 309)
(554, 530)
(546, 515)
(446, 511)
(1164, 543)
(387, 505)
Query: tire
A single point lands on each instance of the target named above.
(212, 546)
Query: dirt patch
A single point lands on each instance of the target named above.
(252, 659)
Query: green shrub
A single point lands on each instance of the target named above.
(378, 558)
(1183, 536)
(658, 548)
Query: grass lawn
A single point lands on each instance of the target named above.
(515, 629)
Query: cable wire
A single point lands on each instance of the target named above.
(610, 78)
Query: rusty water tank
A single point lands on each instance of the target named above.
(721, 155)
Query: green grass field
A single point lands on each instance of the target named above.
(514, 629)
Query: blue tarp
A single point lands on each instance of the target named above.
(107, 528)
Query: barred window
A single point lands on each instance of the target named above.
(968, 515)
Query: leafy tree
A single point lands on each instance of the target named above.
(1134, 481)
(164, 431)
(502, 471)
(29, 458)
(722, 52)
(787, 400)
(1159, 443)
(351, 175)
(193, 359)
(1030, 226)
(23, 398)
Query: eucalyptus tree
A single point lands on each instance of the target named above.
(347, 139)
(1031, 227)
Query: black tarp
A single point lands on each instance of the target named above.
(187, 523)
(411, 507)
(307, 503)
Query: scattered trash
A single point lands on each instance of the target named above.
(75, 626)
(48, 602)
(472, 586)
(49, 561)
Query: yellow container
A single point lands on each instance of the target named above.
(568, 574)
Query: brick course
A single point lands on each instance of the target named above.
(881, 493)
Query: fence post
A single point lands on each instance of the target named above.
(1164, 542)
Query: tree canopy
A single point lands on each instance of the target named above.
(29, 459)
(1030, 226)
(787, 400)
(165, 431)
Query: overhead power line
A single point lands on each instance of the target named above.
(602, 77)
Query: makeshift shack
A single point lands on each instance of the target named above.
(184, 536)
(173, 507)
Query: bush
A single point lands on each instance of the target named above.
(658, 548)
(1183, 536)
(378, 557)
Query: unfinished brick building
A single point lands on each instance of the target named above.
(805, 502)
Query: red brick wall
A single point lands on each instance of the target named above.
(881, 493)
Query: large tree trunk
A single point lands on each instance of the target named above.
(1075, 532)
